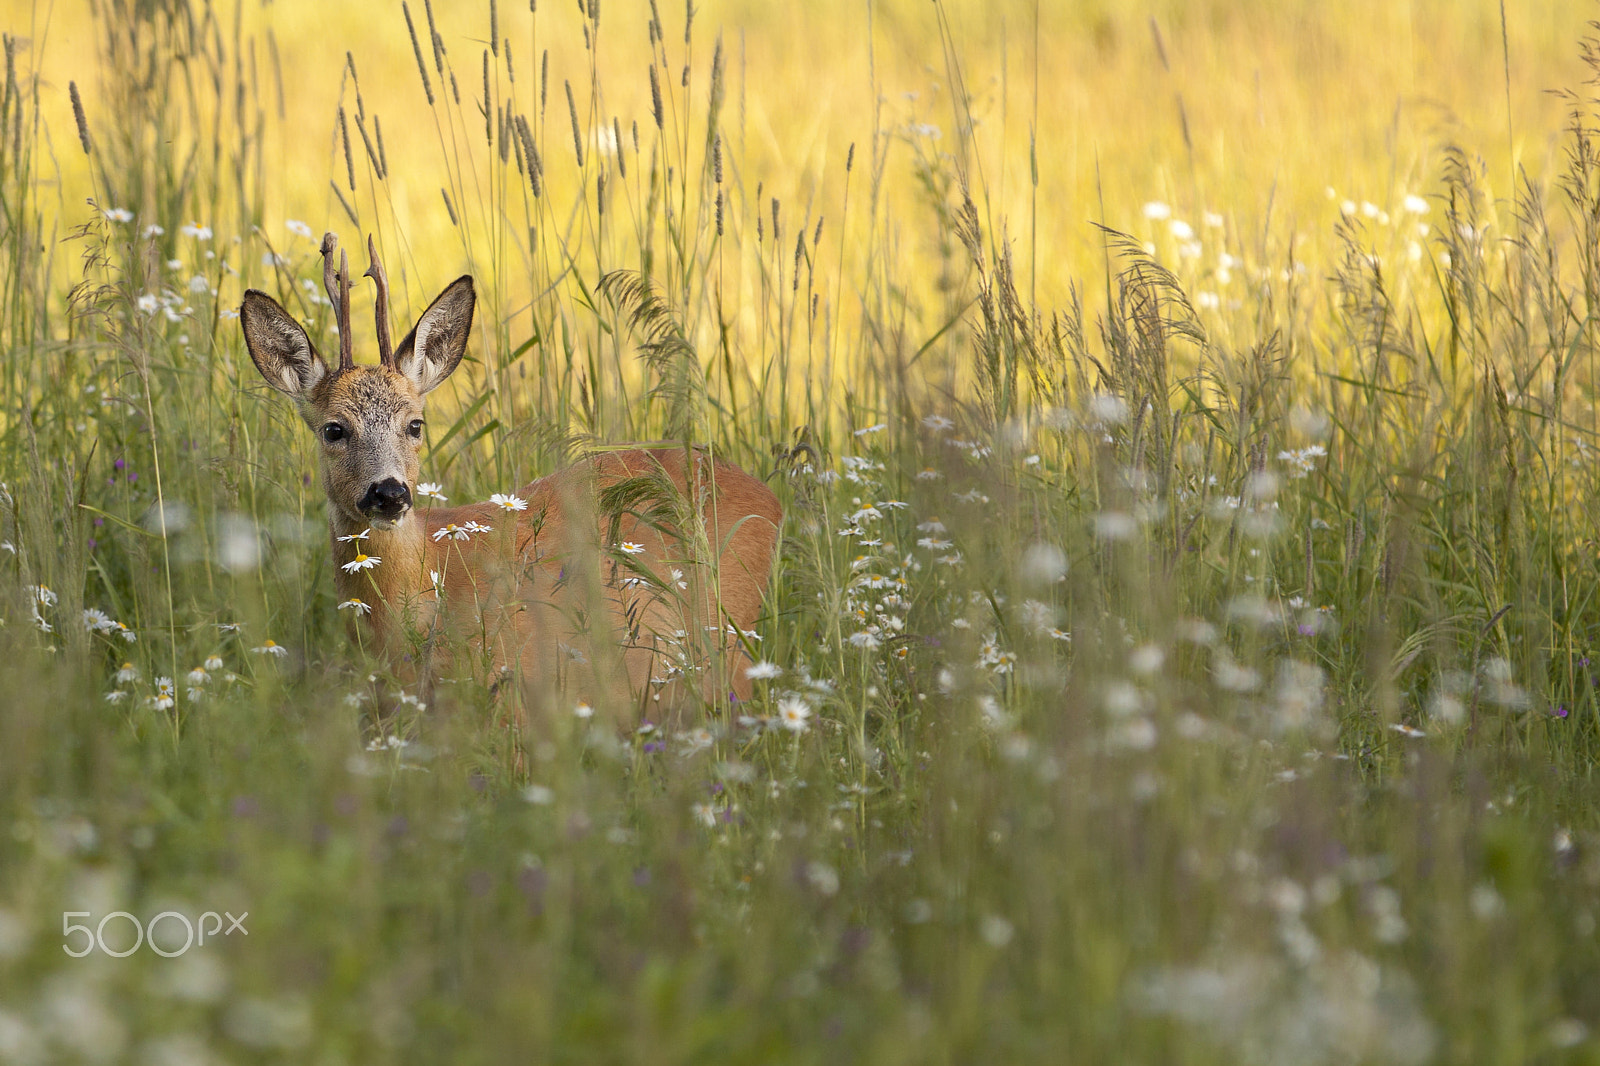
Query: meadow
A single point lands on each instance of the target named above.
(1180, 649)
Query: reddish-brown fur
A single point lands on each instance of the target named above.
(518, 596)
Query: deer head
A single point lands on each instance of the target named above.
(367, 418)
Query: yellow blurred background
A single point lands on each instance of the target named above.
(1268, 113)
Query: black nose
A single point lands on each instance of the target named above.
(388, 498)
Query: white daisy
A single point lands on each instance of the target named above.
(762, 671)
(508, 502)
(356, 537)
(271, 647)
(628, 547)
(362, 561)
(794, 714)
(431, 489)
(356, 604)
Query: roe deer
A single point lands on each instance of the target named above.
(602, 578)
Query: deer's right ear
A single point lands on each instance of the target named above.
(279, 347)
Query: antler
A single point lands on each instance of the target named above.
(337, 282)
(376, 272)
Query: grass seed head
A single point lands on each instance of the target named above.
(344, 143)
(77, 115)
(577, 132)
(422, 68)
(655, 99)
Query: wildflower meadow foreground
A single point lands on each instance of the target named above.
(1179, 645)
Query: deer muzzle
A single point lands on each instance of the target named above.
(387, 500)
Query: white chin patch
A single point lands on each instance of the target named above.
(384, 525)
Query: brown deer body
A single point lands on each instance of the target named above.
(622, 575)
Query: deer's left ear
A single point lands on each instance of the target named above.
(435, 346)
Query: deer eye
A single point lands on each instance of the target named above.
(333, 432)
(415, 428)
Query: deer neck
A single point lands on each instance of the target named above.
(401, 554)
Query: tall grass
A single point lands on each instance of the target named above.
(1197, 670)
